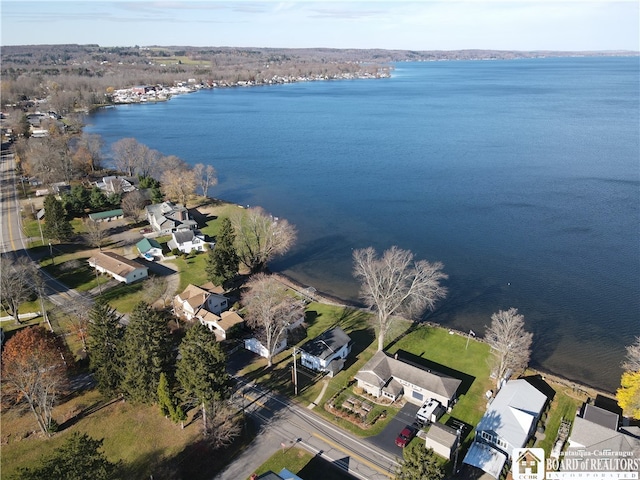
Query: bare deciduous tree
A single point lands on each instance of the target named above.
(14, 284)
(33, 370)
(179, 185)
(261, 237)
(223, 426)
(632, 361)
(77, 312)
(155, 288)
(127, 154)
(396, 284)
(95, 232)
(206, 177)
(510, 343)
(271, 309)
(133, 204)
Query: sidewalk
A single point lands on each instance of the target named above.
(21, 316)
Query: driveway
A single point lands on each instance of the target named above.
(387, 438)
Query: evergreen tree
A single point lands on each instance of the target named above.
(56, 225)
(201, 370)
(147, 353)
(222, 261)
(104, 344)
(77, 459)
(97, 199)
(167, 401)
(156, 195)
(419, 463)
(77, 200)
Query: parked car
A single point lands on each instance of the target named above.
(405, 436)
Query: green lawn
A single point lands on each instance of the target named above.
(138, 435)
(562, 406)
(192, 270)
(437, 349)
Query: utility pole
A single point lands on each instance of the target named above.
(295, 373)
(455, 462)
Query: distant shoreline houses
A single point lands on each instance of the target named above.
(162, 93)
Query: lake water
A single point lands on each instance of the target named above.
(521, 176)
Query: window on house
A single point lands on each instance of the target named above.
(487, 436)
(417, 395)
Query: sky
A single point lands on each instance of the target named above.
(569, 25)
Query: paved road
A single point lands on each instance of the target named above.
(284, 424)
(13, 239)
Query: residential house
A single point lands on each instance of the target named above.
(442, 439)
(114, 184)
(596, 434)
(254, 345)
(107, 216)
(186, 241)
(509, 422)
(149, 248)
(167, 217)
(119, 267)
(221, 325)
(327, 352)
(284, 474)
(388, 377)
(193, 299)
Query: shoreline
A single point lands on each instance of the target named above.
(317, 296)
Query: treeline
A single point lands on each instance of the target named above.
(79, 76)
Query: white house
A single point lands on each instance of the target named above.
(192, 299)
(186, 241)
(166, 218)
(326, 352)
(149, 248)
(508, 423)
(119, 267)
(254, 345)
(388, 377)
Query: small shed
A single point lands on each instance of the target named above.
(149, 248)
(442, 439)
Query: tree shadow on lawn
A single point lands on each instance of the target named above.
(429, 365)
(196, 461)
(320, 469)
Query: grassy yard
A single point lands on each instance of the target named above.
(137, 435)
(435, 348)
(192, 270)
(564, 405)
(304, 464)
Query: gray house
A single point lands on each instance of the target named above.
(167, 217)
(326, 352)
(388, 377)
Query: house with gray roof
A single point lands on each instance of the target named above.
(327, 352)
(596, 433)
(508, 423)
(388, 377)
(186, 241)
(442, 439)
(167, 217)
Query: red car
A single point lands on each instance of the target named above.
(405, 436)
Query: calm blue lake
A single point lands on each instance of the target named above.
(521, 176)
